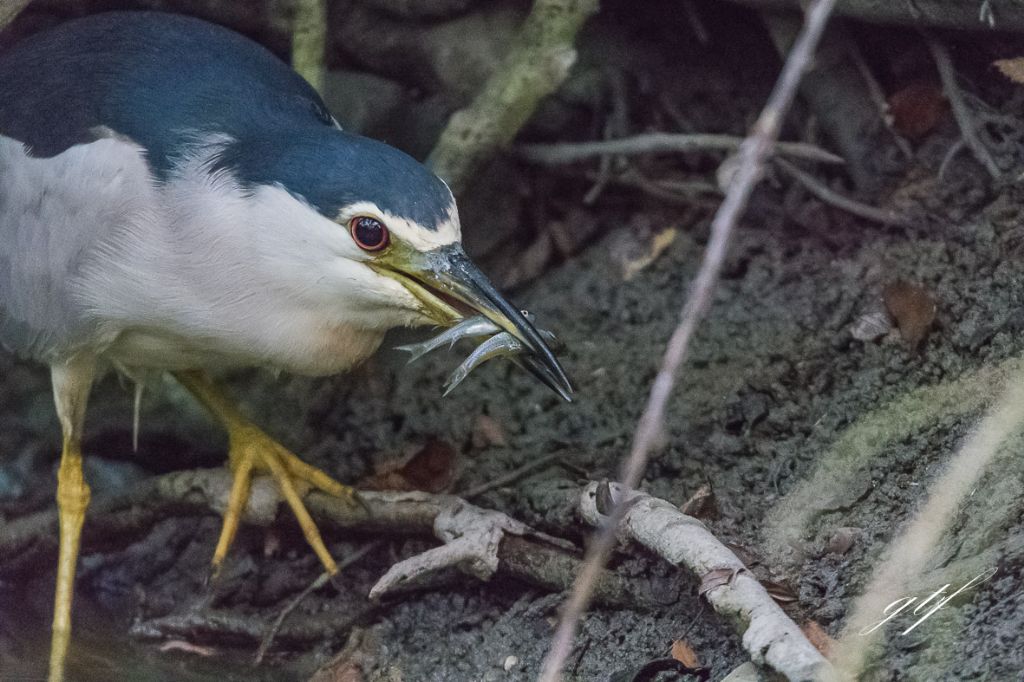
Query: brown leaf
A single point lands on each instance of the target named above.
(913, 308)
(917, 109)
(430, 469)
(717, 578)
(744, 554)
(684, 653)
(1011, 68)
(780, 592)
(702, 504)
(487, 432)
(818, 636)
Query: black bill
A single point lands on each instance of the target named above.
(450, 272)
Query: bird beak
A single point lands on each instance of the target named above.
(446, 281)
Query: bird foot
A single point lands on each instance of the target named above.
(253, 452)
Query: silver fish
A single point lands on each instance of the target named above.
(496, 346)
(469, 327)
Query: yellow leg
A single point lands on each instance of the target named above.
(251, 451)
(71, 384)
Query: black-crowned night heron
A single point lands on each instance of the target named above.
(175, 198)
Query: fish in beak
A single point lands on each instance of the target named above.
(448, 285)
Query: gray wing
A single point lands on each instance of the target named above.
(53, 211)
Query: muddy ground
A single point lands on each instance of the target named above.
(775, 379)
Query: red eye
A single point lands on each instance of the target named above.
(369, 233)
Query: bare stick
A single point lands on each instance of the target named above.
(769, 635)
(321, 580)
(655, 143)
(10, 9)
(537, 63)
(753, 153)
(309, 40)
(878, 99)
(960, 111)
(512, 476)
(832, 198)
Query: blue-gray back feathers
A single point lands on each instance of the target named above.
(162, 79)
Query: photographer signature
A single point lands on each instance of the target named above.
(897, 607)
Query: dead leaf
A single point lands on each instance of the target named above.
(636, 247)
(917, 108)
(430, 469)
(1011, 68)
(656, 247)
(780, 592)
(871, 326)
(819, 637)
(744, 554)
(913, 308)
(842, 540)
(717, 578)
(487, 432)
(684, 653)
(702, 504)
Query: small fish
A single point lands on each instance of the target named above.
(496, 346)
(469, 327)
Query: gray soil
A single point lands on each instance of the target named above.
(774, 380)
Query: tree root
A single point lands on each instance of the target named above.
(477, 541)
(536, 65)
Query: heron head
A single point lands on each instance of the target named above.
(386, 237)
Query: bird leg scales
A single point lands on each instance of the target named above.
(72, 382)
(251, 451)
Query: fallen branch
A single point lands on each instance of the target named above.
(660, 143)
(536, 64)
(769, 635)
(753, 154)
(478, 541)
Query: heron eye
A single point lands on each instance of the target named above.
(369, 233)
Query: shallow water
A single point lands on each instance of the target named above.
(101, 649)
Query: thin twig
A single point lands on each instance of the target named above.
(833, 198)
(963, 116)
(878, 99)
(753, 153)
(511, 476)
(955, 149)
(321, 580)
(654, 143)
